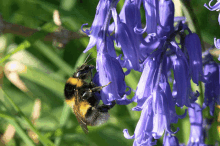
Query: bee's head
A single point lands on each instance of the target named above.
(84, 71)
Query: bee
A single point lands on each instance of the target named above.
(81, 95)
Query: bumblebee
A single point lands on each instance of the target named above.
(81, 95)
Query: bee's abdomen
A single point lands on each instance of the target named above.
(95, 117)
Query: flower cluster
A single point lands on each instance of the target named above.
(155, 55)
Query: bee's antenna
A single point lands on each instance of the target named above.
(87, 58)
(88, 61)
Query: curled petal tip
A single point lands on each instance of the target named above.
(87, 31)
(127, 135)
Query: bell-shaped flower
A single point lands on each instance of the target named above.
(217, 43)
(147, 80)
(182, 82)
(98, 22)
(151, 13)
(155, 118)
(124, 39)
(182, 91)
(142, 133)
(130, 15)
(170, 140)
(212, 87)
(157, 103)
(109, 70)
(193, 46)
(166, 18)
(216, 7)
(170, 101)
(196, 130)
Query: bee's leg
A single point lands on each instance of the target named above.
(105, 108)
(99, 88)
(92, 85)
(87, 94)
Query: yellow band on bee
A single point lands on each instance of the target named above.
(75, 81)
(84, 106)
(71, 102)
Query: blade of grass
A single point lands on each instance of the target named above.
(13, 121)
(22, 133)
(44, 80)
(42, 138)
(44, 49)
(6, 116)
(24, 45)
(63, 119)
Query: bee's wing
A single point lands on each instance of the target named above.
(81, 121)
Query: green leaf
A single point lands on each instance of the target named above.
(42, 138)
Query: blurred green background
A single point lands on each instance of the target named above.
(35, 71)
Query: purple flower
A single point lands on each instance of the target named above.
(101, 12)
(151, 14)
(156, 102)
(166, 18)
(146, 82)
(109, 70)
(181, 83)
(124, 38)
(217, 43)
(130, 15)
(170, 140)
(144, 126)
(212, 87)
(216, 7)
(196, 129)
(181, 86)
(193, 46)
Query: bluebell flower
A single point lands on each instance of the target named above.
(166, 18)
(130, 15)
(151, 15)
(125, 40)
(194, 49)
(147, 81)
(170, 140)
(182, 82)
(148, 45)
(216, 7)
(144, 127)
(109, 70)
(98, 22)
(217, 43)
(212, 87)
(196, 130)
(155, 101)
(181, 86)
